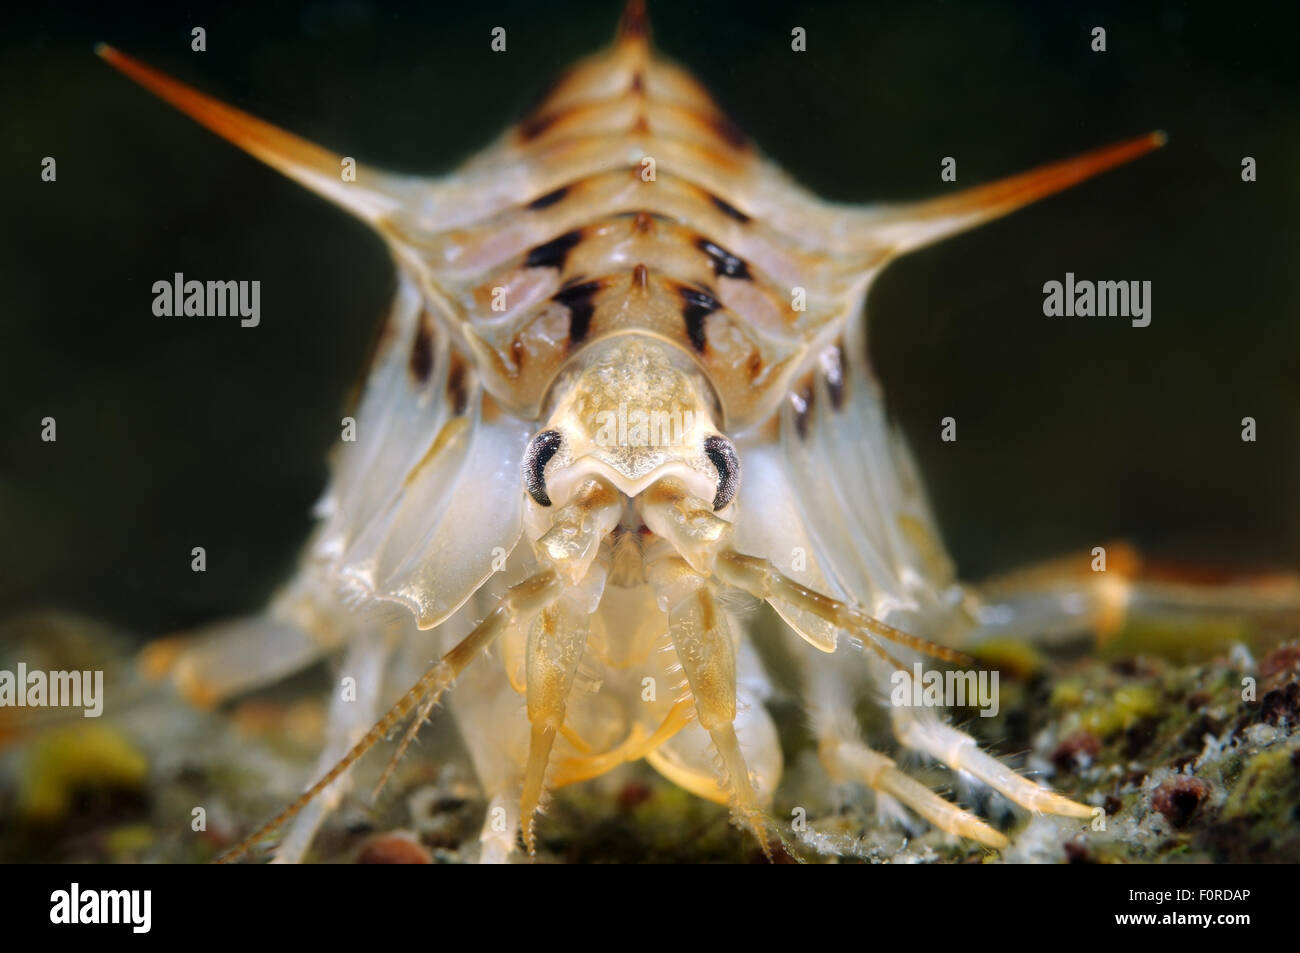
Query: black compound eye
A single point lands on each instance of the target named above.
(723, 456)
(540, 450)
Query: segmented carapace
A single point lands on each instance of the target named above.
(625, 374)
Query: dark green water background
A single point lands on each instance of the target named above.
(174, 433)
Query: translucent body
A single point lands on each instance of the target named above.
(622, 252)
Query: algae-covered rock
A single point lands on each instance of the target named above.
(1187, 757)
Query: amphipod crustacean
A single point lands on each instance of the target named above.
(624, 378)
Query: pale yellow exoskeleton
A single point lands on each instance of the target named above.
(624, 382)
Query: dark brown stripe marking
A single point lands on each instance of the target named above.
(458, 384)
(535, 125)
(730, 210)
(697, 305)
(549, 199)
(421, 363)
(728, 130)
(723, 261)
(552, 254)
(640, 278)
(578, 299)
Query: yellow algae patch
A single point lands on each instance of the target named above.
(1016, 658)
(1128, 706)
(76, 758)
